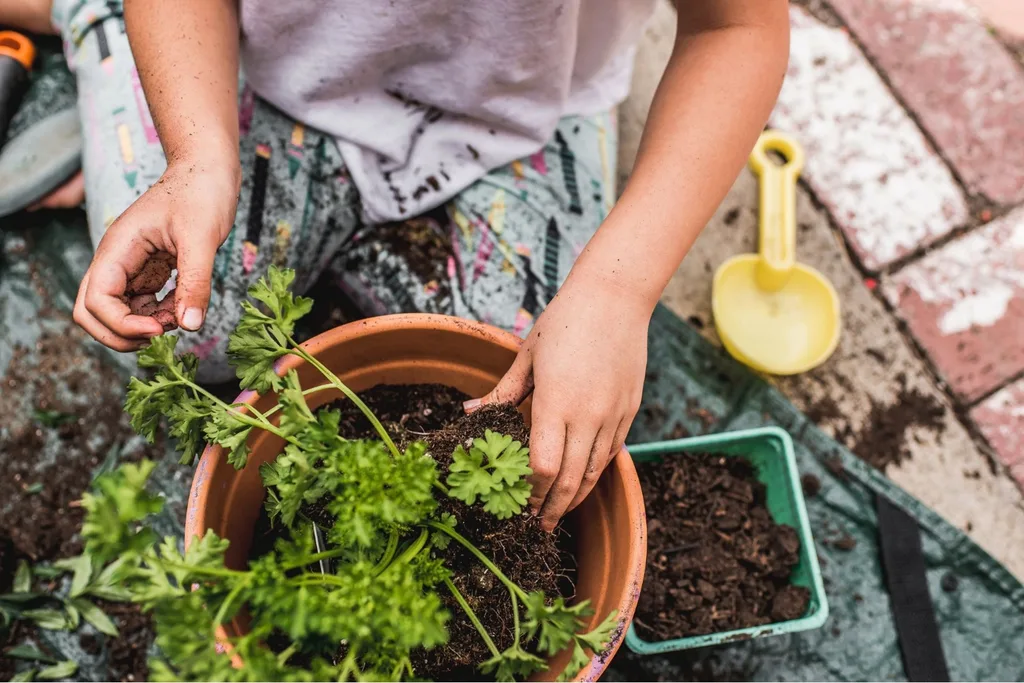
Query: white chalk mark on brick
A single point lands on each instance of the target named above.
(866, 160)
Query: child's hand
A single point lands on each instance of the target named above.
(186, 215)
(585, 361)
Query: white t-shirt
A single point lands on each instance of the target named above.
(426, 96)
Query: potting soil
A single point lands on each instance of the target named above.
(716, 561)
(530, 557)
(692, 388)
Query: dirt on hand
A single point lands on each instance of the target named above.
(716, 561)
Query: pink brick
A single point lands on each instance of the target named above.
(1000, 418)
(964, 86)
(867, 161)
(965, 304)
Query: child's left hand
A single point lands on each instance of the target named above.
(585, 361)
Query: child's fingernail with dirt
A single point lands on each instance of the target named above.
(192, 319)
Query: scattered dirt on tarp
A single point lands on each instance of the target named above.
(63, 419)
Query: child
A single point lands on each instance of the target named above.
(450, 156)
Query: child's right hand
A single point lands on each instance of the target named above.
(186, 214)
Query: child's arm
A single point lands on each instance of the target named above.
(186, 52)
(587, 353)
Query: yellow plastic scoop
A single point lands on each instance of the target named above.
(773, 314)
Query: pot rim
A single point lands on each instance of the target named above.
(212, 455)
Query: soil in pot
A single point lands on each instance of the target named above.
(532, 558)
(716, 560)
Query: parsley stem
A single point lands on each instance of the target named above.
(389, 553)
(516, 590)
(312, 559)
(232, 596)
(472, 617)
(207, 571)
(351, 395)
(262, 422)
(305, 392)
(349, 664)
(308, 577)
(515, 615)
(413, 550)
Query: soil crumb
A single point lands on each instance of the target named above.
(529, 556)
(811, 485)
(716, 560)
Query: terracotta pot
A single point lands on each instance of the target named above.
(419, 348)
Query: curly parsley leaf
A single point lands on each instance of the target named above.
(513, 664)
(261, 338)
(372, 493)
(231, 433)
(494, 470)
(596, 641)
(169, 395)
(113, 510)
(554, 625)
(439, 539)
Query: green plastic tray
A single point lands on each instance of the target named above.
(770, 451)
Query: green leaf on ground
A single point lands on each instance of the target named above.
(50, 619)
(51, 418)
(95, 616)
(58, 671)
(23, 578)
(29, 653)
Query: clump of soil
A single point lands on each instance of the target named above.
(532, 558)
(716, 560)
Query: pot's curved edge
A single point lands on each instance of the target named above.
(212, 457)
(637, 560)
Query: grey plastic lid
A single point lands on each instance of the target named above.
(39, 160)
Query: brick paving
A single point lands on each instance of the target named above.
(915, 147)
(962, 84)
(1001, 419)
(965, 304)
(866, 159)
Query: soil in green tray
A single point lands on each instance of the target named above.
(715, 559)
(532, 558)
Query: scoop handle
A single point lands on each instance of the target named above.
(777, 217)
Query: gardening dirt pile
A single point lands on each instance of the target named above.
(715, 561)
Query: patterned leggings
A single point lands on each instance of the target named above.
(497, 252)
